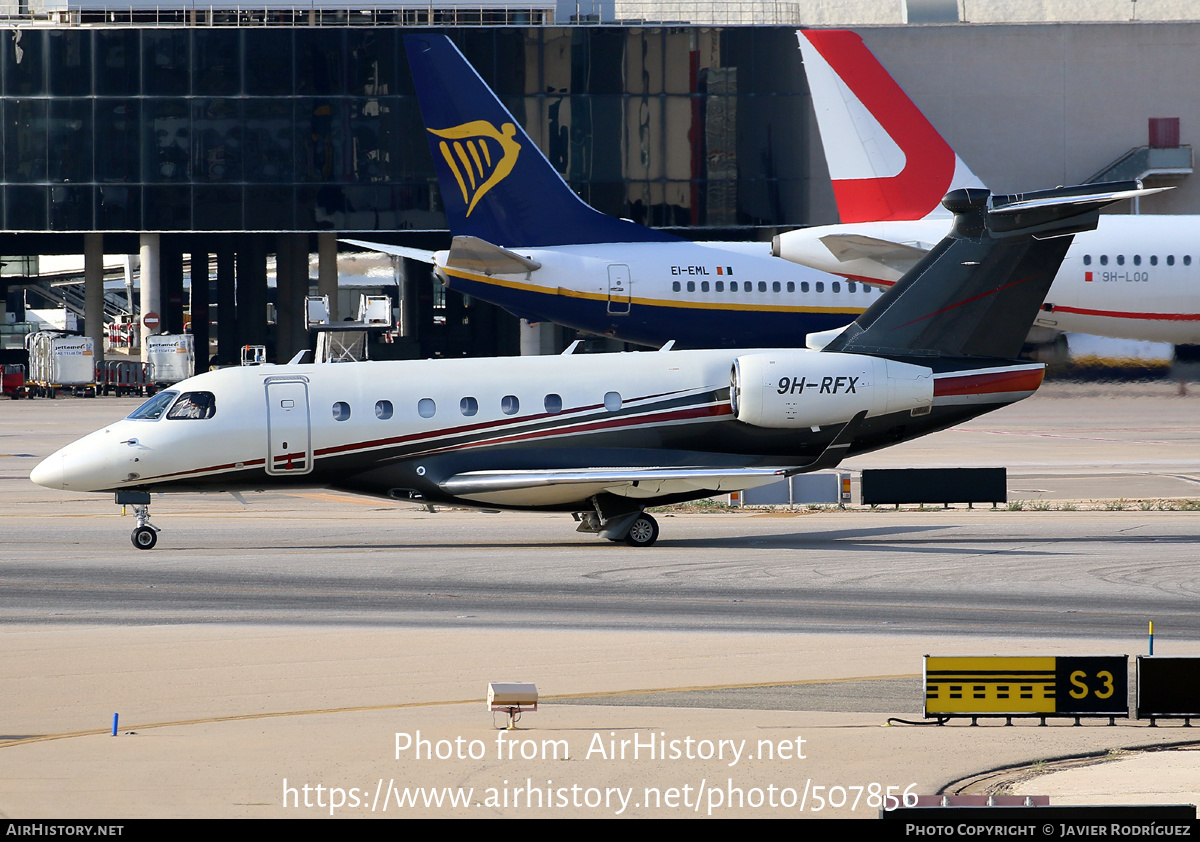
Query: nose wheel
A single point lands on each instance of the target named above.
(145, 534)
(144, 537)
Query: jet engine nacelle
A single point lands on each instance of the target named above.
(795, 389)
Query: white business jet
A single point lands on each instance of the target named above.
(603, 436)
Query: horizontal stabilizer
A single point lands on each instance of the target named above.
(472, 254)
(978, 291)
(846, 247)
(422, 255)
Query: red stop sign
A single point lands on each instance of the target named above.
(151, 320)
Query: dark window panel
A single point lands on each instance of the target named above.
(371, 56)
(70, 135)
(166, 147)
(166, 208)
(597, 61)
(71, 207)
(167, 61)
(24, 61)
(218, 208)
(25, 208)
(268, 62)
(25, 140)
(118, 207)
(70, 62)
(118, 148)
(117, 62)
(218, 62)
(321, 125)
(320, 62)
(269, 148)
(271, 208)
(216, 140)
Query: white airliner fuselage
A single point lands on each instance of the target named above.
(1134, 277)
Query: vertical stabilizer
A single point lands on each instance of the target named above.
(885, 159)
(496, 184)
(978, 291)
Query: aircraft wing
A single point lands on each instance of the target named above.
(564, 485)
(422, 255)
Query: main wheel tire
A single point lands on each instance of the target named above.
(144, 538)
(643, 533)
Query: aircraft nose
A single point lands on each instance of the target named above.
(49, 472)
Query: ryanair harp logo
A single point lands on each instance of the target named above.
(479, 156)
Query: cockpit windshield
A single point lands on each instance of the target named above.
(153, 409)
(194, 405)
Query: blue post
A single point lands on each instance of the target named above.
(1151, 637)
(114, 731)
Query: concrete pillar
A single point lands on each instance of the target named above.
(149, 282)
(531, 339)
(327, 271)
(93, 292)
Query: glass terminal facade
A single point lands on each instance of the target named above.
(281, 128)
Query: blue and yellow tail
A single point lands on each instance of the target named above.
(496, 184)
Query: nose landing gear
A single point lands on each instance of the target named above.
(145, 534)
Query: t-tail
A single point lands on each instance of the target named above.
(885, 159)
(496, 184)
(977, 292)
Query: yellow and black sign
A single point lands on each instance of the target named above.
(1008, 686)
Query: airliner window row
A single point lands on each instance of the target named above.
(776, 286)
(468, 406)
(1137, 260)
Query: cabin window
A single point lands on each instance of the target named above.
(704, 286)
(691, 286)
(194, 405)
(720, 286)
(509, 405)
(791, 286)
(1104, 260)
(733, 286)
(776, 286)
(804, 286)
(1087, 260)
(426, 407)
(1187, 260)
(820, 286)
(341, 411)
(553, 404)
(837, 286)
(851, 287)
(153, 409)
(383, 410)
(675, 286)
(1120, 260)
(1137, 260)
(1154, 260)
(1170, 260)
(762, 286)
(612, 401)
(468, 406)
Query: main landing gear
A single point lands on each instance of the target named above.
(145, 534)
(610, 518)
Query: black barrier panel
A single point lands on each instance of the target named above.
(1091, 686)
(1167, 687)
(934, 485)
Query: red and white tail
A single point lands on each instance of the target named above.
(885, 159)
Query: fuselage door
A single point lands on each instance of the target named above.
(289, 432)
(619, 291)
